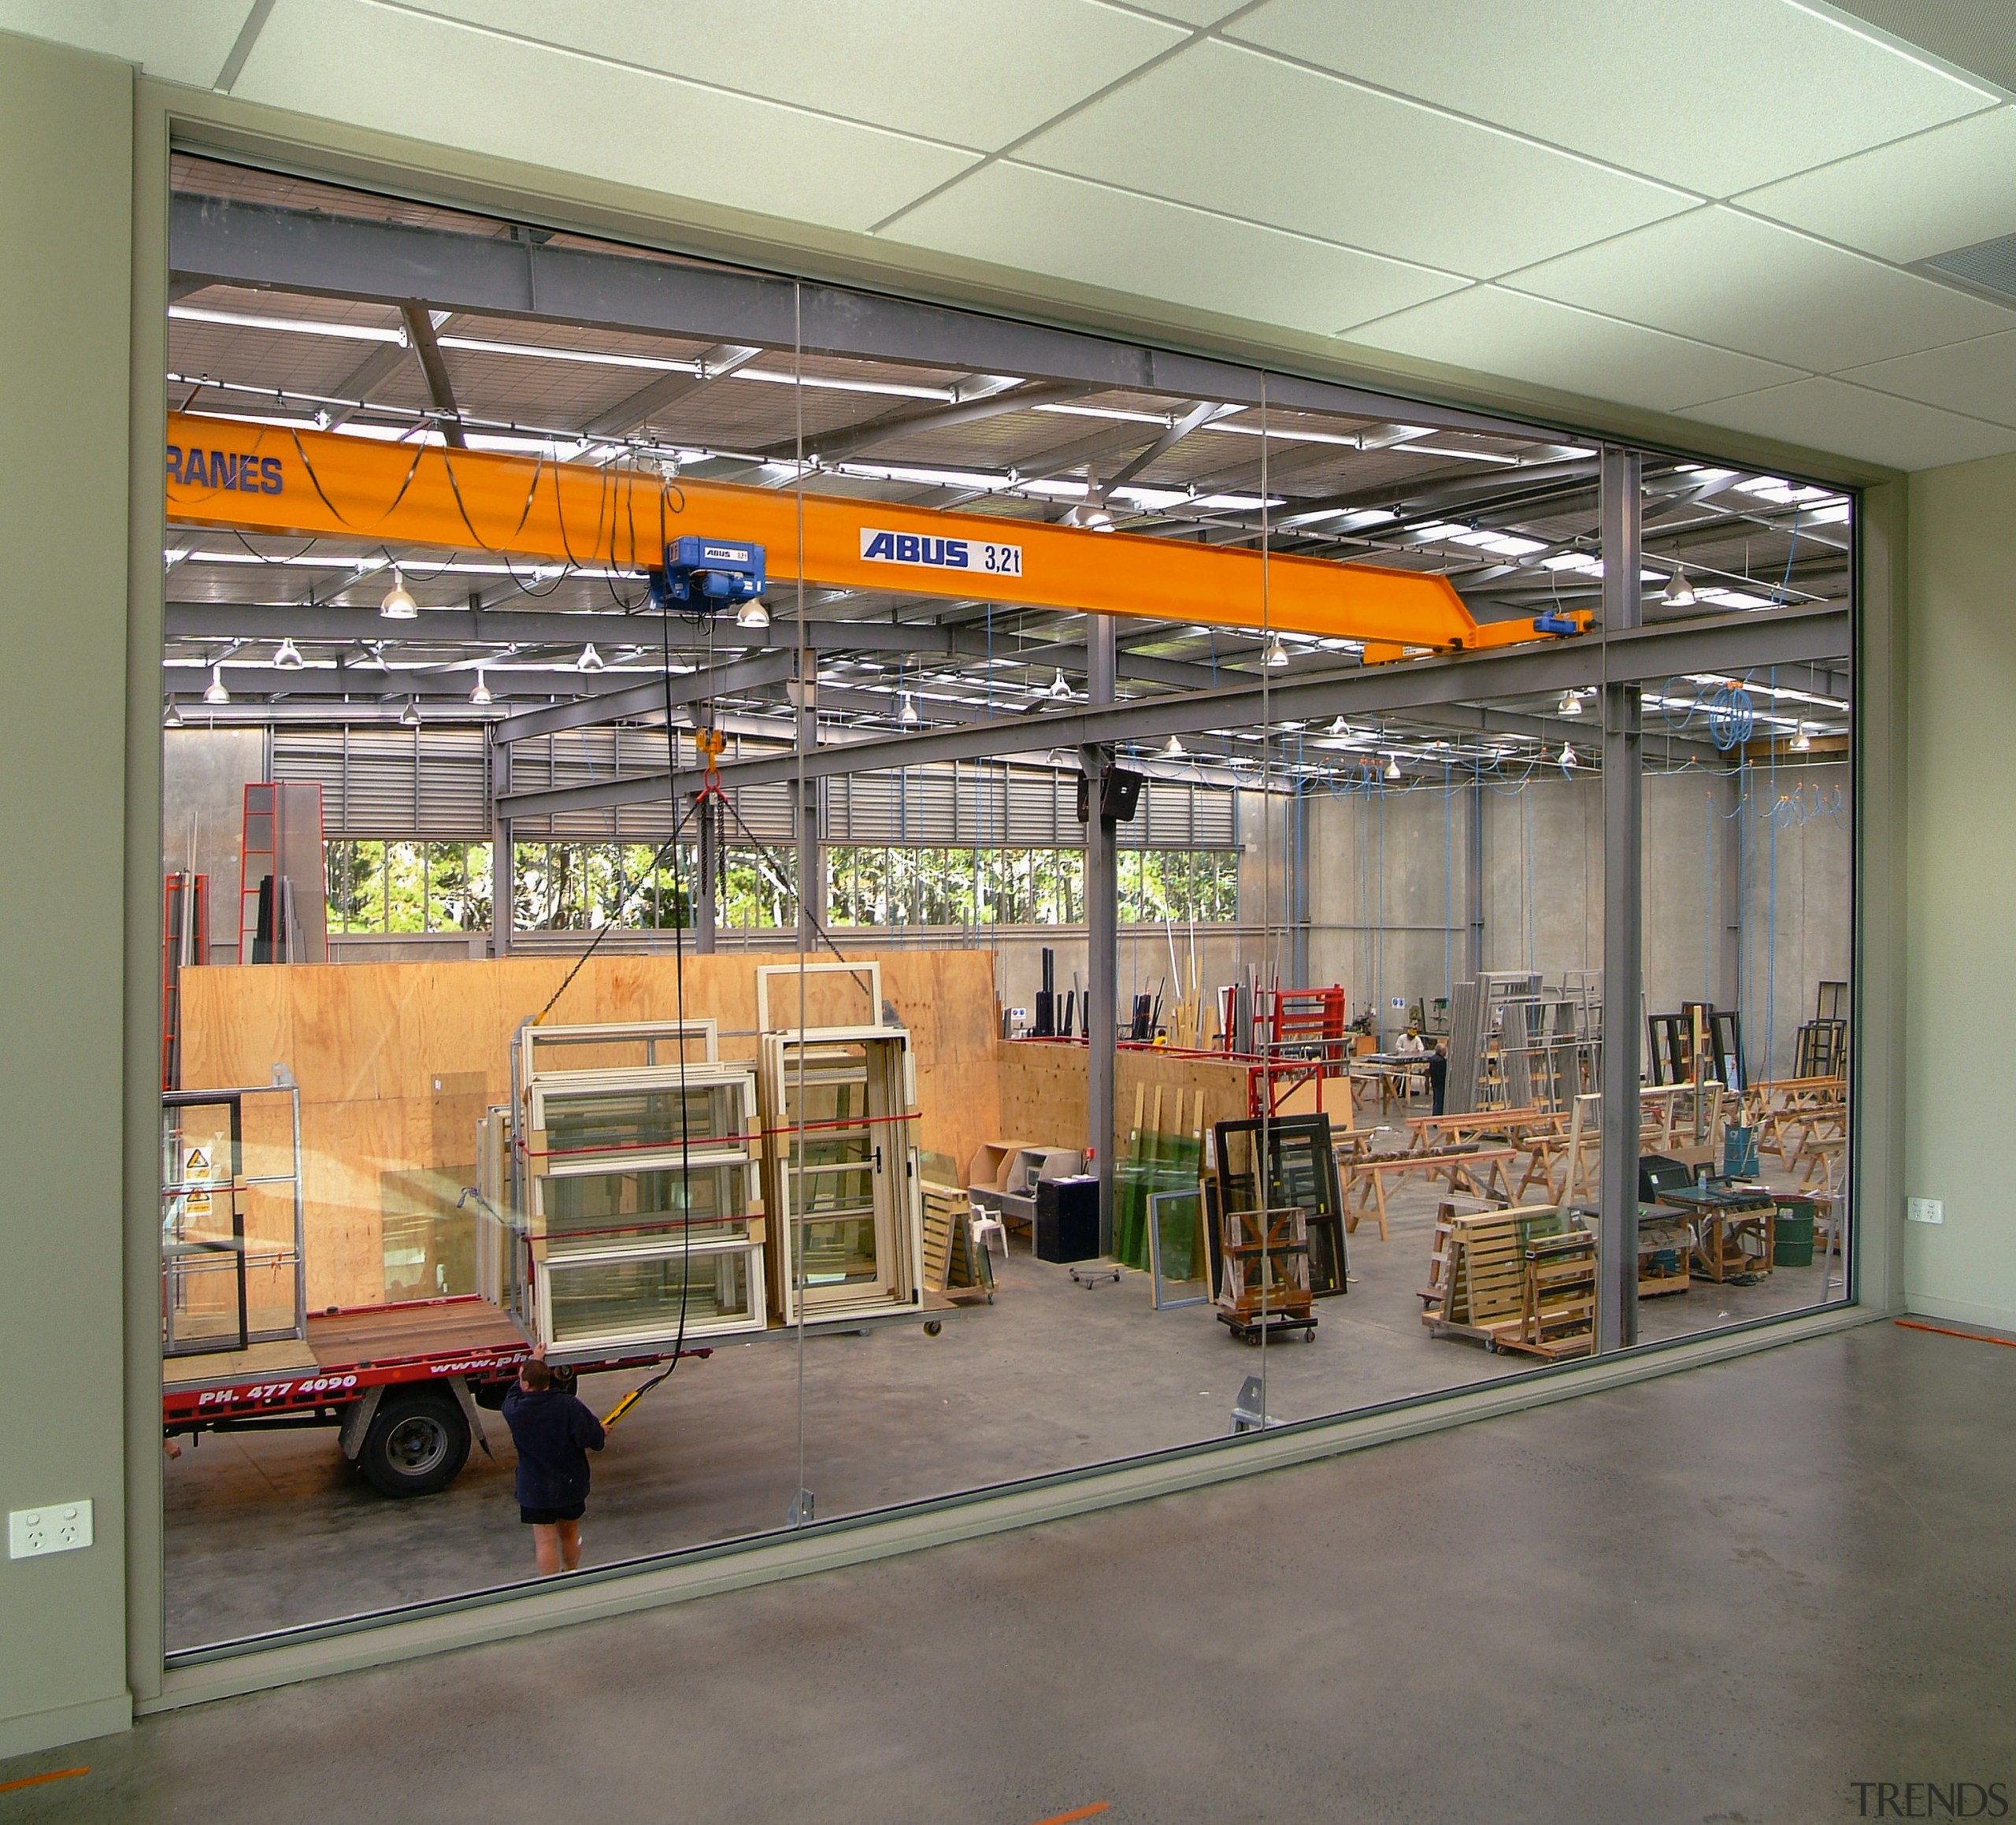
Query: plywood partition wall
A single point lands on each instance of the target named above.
(1044, 1096)
(396, 1061)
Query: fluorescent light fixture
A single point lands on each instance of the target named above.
(287, 657)
(1510, 544)
(398, 604)
(1679, 592)
(1567, 753)
(886, 389)
(753, 614)
(1733, 599)
(1492, 456)
(591, 660)
(908, 716)
(287, 325)
(1571, 704)
(215, 693)
(533, 351)
(1441, 531)
(1060, 691)
(1276, 656)
(481, 695)
(409, 717)
(1801, 742)
(171, 717)
(1392, 766)
(1173, 749)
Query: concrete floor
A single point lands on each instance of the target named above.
(267, 1530)
(1721, 1596)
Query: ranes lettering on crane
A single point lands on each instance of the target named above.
(221, 469)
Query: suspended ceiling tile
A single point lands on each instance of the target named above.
(1978, 36)
(1039, 220)
(1949, 188)
(976, 75)
(403, 73)
(1229, 129)
(1850, 420)
(1193, 11)
(1719, 95)
(1977, 377)
(1547, 344)
(184, 43)
(1721, 276)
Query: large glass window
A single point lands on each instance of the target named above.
(1163, 914)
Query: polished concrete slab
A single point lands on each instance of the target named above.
(1723, 1598)
(268, 1531)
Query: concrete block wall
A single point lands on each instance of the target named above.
(1746, 904)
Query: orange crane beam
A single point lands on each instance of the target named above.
(224, 472)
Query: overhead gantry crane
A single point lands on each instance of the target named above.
(223, 471)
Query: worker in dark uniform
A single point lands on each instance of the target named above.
(553, 1432)
(1438, 1076)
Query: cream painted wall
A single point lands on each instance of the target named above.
(1960, 987)
(65, 186)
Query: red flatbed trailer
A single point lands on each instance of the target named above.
(404, 1385)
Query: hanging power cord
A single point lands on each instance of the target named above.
(709, 742)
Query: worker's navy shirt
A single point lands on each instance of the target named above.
(553, 1432)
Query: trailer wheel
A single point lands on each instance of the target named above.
(416, 1446)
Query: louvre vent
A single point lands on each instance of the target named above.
(1990, 267)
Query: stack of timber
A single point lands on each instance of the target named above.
(1476, 1286)
(1558, 1311)
(953, 1264)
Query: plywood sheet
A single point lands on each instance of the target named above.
(1044, 1094)
(395, 1059)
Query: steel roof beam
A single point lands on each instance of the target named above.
(735, 680)
(1722, 642)
(440, 389)
(228, 241)
(198, 621)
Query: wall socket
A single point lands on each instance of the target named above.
(1925, 1210)
(59, 1527)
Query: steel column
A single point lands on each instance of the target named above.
(1299, 888)
(1728, 863)
(1474, 885)
(811, 875)
(1623, 788)
(1102, 935)
(703, 907)
(503, 876)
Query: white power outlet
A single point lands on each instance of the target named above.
(1925, 1210)
(60, 1527)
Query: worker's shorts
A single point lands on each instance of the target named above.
(550, 1517)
